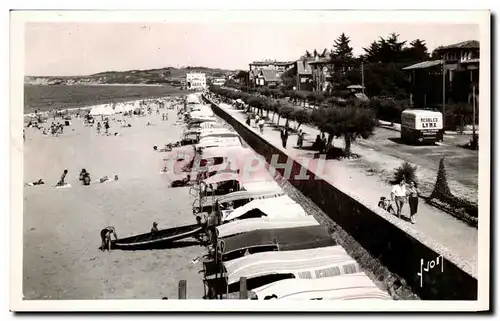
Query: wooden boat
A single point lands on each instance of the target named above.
(162, 238)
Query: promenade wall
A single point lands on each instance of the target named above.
(402, 250)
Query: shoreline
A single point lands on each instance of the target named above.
(98, 84)
(59, 97)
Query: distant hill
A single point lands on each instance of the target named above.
(168, 75)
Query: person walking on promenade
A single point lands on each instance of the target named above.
(256, 120)
(261, 126)
(248, 120)
(284, 136)
(398, 195)
(300, 138)
(413, 200)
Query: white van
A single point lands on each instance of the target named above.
(420, 125)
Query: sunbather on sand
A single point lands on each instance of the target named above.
(39, 182)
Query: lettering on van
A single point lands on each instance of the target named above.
(429, 122)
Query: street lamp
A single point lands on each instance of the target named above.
(444, 90)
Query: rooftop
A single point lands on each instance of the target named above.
(469, 44)
(271, 62)
(320, 61)
(270, 75)
(303, 67)
(424, 64)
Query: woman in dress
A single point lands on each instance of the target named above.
(413, 200)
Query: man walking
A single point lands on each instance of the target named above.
(398, 194)
(284, 136)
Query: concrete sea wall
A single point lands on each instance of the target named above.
(401, 250)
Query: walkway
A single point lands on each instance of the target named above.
(346, 175)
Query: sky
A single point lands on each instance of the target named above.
(66, 49)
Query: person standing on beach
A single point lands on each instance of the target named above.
(106, 126)
(106, 234)
(413, 200)
(398, 194)
(63, 177)
(98, 127)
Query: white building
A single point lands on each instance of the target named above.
(219, 81)
(196, 81)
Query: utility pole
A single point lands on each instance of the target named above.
(474, 138)
(363, 77)
(444, 91)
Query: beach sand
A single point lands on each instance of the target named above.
(61, 259)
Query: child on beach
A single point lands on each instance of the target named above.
(154, 229)
(106, 237)
(98, 127)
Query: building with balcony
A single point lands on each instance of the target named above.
(460, 65)
(196, 81)
(303, 74)
(322, 74)
(278, 67)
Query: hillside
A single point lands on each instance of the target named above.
(168, 75)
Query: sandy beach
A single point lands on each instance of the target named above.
(61, 226)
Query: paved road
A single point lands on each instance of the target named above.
(438, 226)
(461, 164)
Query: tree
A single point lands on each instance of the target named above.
(341, 48)
(285, 111)
(372, 53)
(441, 189)
(242, 76)
(349, 122)
(301, 116)
(416, 52)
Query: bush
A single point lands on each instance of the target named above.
(458, 115)
(388, 109)
(443, 194)
(406, 172)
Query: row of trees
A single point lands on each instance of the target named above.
(388, 109)
(342, 121)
